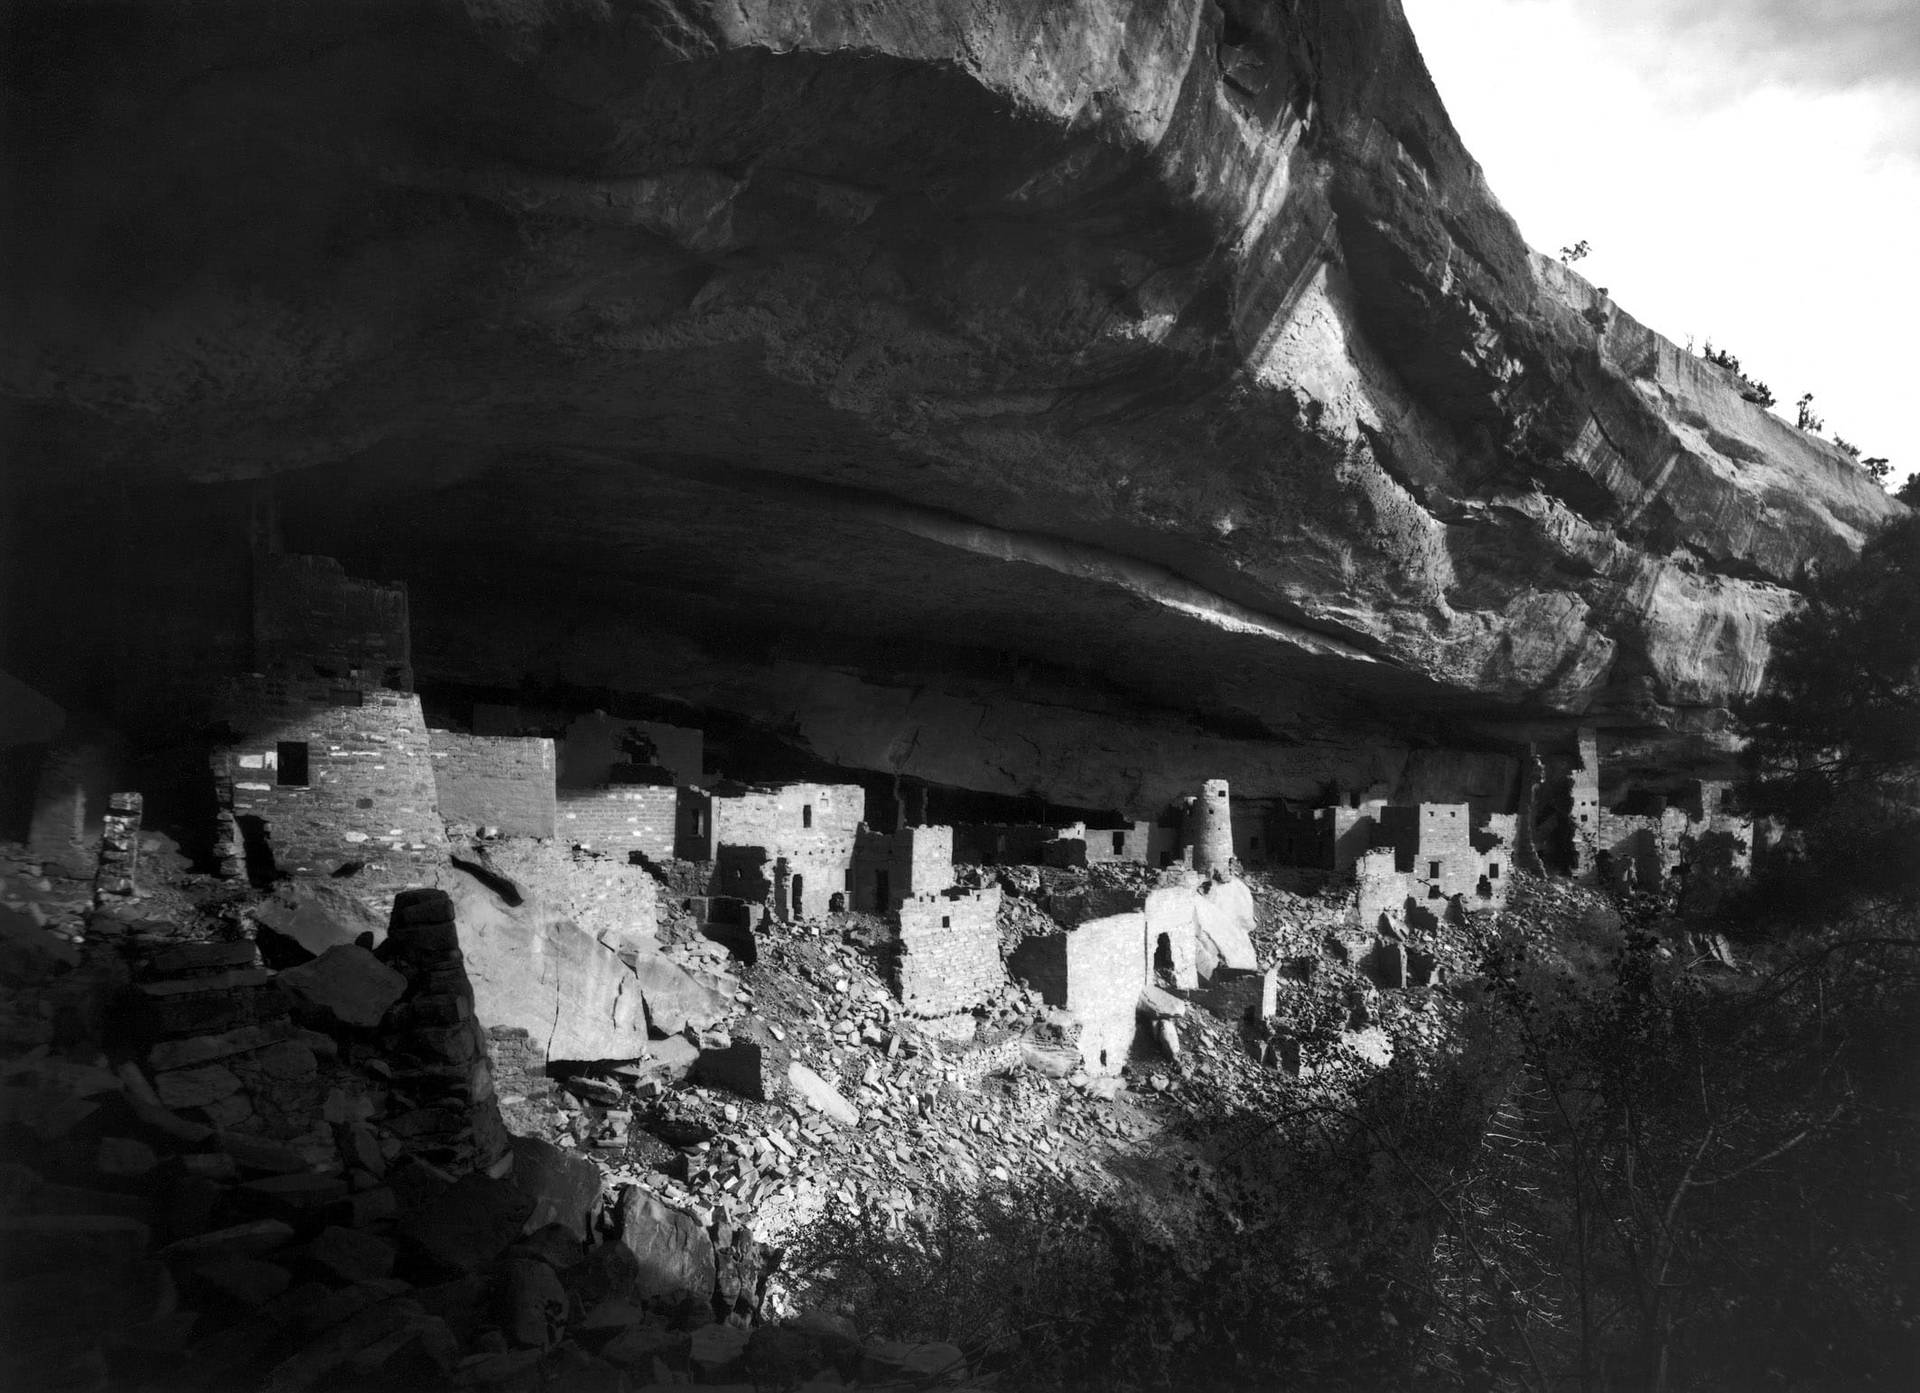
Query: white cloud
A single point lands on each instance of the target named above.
(1742, 169)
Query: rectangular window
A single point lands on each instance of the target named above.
(1433, 870)
(806, 815)
(293, 763)
(1119, 842)
(1493, 870)
(946, 921)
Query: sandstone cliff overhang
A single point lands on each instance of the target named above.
(1177, 351)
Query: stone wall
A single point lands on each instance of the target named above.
(1171, 912)
(1001, 843)
(495, 781)
(620, 818)
(311, 619)
(1097, 972)
(1242, 993)
(594, 744)
(949, 951)
(365, 795)
(807, 832)
(1702, 838)
(889, 867)
(1429, 855)
(1106, 966)
(1210, 827)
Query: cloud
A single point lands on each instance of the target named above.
(1709, 54)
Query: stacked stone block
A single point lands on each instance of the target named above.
(506, 782)
(119, 847)
(222, 1049)
(369, 798)
(1210, 828)
(620, 818)
(949, 951)
(435, 1045)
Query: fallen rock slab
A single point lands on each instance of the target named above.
(820, 1095)
(348, 983)
(675, 1255)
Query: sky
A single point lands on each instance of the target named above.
(1745, 171)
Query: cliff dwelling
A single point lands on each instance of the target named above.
(909, 696)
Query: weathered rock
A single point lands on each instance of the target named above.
(350, 1255)
(717, 1353)
(530, 969)
(1341, 436)
(315, 917)
(820, 1095)
(565, 1188)
(675, 1255)
(464, 1225)
(533, 1304)
(347, 983)
(1223, 924)
(674, 999)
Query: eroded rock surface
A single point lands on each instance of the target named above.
(1169, 365)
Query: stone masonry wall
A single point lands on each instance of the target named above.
(811, 827)
(949, 952)
(311, 619)
(619, 818)
(495, 781)
(1106, 968)
(369, 794)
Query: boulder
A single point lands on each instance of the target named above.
(674, 1253)
(543, 973)
(820, 1095)
(1049, 1060)
(347, 983)
(901, 1361)
(674, 998)
(564, 1187)
(718, 1352)
(467, 1224)
(532, 1304)
(350, 1255)
(314, 917)
(1223, 928)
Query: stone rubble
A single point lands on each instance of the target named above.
(305, 1178)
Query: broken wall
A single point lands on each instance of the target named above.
(620, 818)
(335, 776)
(949, 951)
(495, 781)
(1106, 966)
(811, 827)
(595, 743)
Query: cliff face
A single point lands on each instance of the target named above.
(1156, 375)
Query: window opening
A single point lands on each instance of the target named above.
(292, 762)
(806, 815)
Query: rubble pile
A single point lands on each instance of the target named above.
(329, 1172)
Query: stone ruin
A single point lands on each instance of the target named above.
(1651, 842)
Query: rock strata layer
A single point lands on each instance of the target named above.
(1168, 366)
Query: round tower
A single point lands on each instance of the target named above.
(1210, 828)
